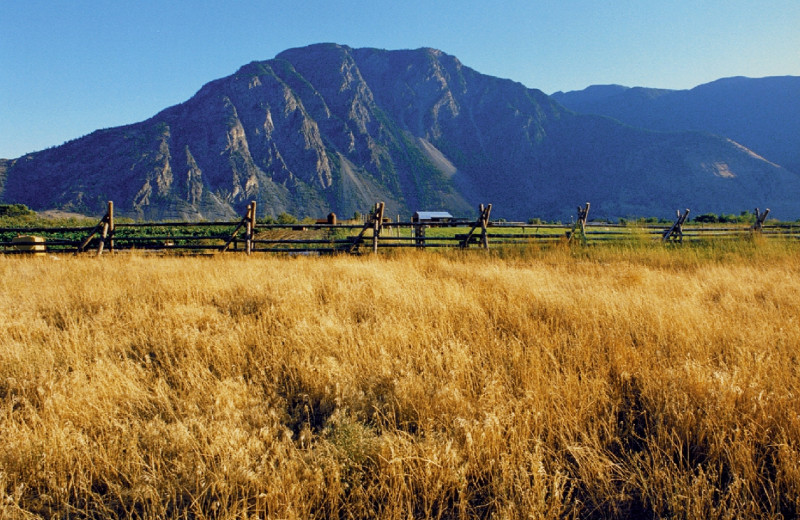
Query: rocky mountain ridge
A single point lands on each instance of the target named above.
(330, 128)
(762, 114)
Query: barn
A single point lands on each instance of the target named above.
(432, 216)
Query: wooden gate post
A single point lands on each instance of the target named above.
(675, 233)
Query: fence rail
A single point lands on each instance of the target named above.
(376, 232)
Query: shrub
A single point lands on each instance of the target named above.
(287, 218)
(706, 218)
(15, 210)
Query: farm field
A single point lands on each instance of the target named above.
(25, 232)
(608, 381)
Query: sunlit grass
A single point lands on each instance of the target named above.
(602, 382)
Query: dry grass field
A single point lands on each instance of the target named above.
(589, 383)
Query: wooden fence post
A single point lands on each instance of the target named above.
(760, 219)
(102, 227)
(419, 231)
(103, 236)
(675, 233)
(377, 225)
(108, 223)
(419, 234)
(111, 226)
(375, 221)
(254, 222)
(244, 222)
(250, 216)
(583, 213)
(482, 222)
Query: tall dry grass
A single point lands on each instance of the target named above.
(596, 383)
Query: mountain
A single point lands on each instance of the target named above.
(762, 114)
(331, 128)
(3, 169)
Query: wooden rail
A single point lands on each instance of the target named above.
(248, 235)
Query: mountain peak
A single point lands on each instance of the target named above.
(315, 50)
(331, 128)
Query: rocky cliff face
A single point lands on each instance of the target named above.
(330, 128)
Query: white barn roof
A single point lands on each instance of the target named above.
(432, 215)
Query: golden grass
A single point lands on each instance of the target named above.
(597, 383)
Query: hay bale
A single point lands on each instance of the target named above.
(30, 244)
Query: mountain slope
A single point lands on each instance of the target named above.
(762, 114)
(330, 128)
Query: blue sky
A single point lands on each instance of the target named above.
(68, 67)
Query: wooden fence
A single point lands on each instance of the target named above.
(374, 233)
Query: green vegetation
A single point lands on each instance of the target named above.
(15, 210)
(745, 217)
(643, 221)
(20, 216)
(286, 218)
(15, 219)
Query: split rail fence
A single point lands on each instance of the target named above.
(247, 235)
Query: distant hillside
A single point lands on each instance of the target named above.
(761, 114)
(331, 128)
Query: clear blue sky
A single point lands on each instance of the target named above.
(68, 67)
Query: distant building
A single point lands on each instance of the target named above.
(331, 219)
(432, 216)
